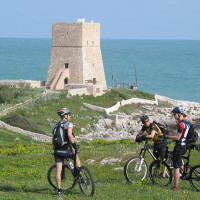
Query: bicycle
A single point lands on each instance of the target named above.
(136, 168)
(69, 176)
(189, 173)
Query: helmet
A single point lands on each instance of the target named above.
(144, 118)
(179, 110)
(63, 111)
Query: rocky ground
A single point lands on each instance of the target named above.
(128, 125)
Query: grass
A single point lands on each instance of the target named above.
(40, 115)
(111, 97)
(24, 167)
(9, 138)
(25, 162)
(11, 96)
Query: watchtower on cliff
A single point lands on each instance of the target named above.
(75, 55)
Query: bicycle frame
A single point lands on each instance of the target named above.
(74, 171)
(186, 165)
(143, 150)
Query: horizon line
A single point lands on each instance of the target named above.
(102, 38)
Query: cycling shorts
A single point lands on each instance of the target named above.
(179, 150)
(160, 152)
(60, 155)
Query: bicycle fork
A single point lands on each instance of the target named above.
(138, 166)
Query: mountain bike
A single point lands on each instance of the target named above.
(188, 172)
(136, 168)
(69, 176)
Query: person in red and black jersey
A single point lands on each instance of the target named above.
(180, 146)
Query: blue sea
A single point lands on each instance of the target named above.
(166, 67)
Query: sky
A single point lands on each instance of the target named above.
(127, 19)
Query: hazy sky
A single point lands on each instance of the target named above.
(120, 19)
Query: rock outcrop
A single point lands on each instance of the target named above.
(128, 125)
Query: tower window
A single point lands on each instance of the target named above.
(66, 81)
(66, 65)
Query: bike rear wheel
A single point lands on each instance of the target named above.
(86, 181)
(67, 179)
(135, 169)
(195, 177)
(160, 173)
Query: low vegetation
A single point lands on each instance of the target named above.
(40, 115)
(25, 162)
(111, 97)
(10, 96)
(24, 165)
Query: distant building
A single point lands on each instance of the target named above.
(23, 83)
(76, 57)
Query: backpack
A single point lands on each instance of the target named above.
(192, 135)
(162, 127)
(59, 135)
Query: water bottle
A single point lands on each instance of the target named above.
(71, 166)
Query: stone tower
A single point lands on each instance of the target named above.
(75, 55)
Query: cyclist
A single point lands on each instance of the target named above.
(180, 146)
(66, 150)
(154, 132)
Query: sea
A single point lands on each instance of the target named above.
(166, 67)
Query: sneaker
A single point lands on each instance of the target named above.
(163, 178)
(175, 188)
(59, 192)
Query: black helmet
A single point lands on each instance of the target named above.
(179, 110)
(144, 118)
(63, 111)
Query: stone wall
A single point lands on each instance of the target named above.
(78, 91)
(107, 111)
(15, 107)
(23, 83)
(34, 136)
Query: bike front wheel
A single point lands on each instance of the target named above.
(67, 179)
(160, 173)
(86, 181)
(135, 169)
(195, 177)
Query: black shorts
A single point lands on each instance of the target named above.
(160, 151)
(177, 155)
(61, 154)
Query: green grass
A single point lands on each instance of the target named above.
(9, 138)
(24, 167)
(40, 115)
(111, 97)
(11, 96)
